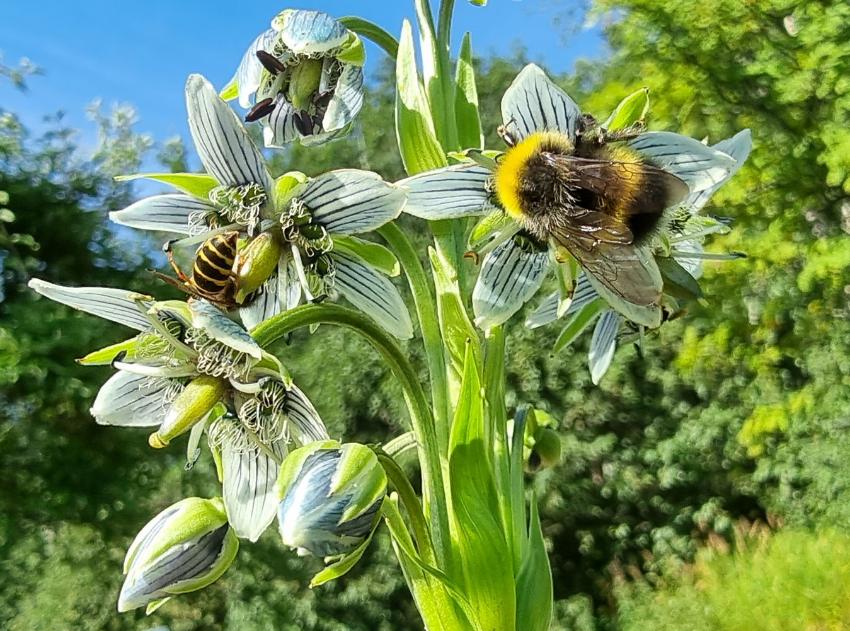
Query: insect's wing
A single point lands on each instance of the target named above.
(610, 177)
(617, 266)
(596, 225)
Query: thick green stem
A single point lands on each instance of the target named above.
(494, 398)
(411, 503)
(421, 420)
(373, 32)
(426, 311)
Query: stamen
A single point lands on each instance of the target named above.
(217, 359)
(261, 109)
(240, 204)
(270, 62)
(263, 414)
(227, 430)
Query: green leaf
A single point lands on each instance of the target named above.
(677, 281)
(286, 186)
(353, 51)
(436, 76)
(439, 601)
(373, 32)
(456, 326)
(632, 109)
(230, 91)
(374, 254)
(466, 99)
(478, 537)
(342, 566)
(417, 141)
(534, 582)
(578, 323)
(108, 354)
(491, 230)
(197, 184)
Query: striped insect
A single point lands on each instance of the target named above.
(212, 276)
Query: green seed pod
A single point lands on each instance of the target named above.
(190, 407)
(184, 548)
(304, 83)
(255, 263)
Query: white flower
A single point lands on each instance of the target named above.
(310, 222)
(303, 78)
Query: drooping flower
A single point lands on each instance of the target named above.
(297, 234)
(303, 78)
(330, 497)
(185, 548)
(191, 368)
(682, 255)
(526, 237)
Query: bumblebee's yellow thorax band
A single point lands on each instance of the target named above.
(510, 171)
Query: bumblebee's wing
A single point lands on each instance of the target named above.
(618, 266)
(608, 178)
(594, 225)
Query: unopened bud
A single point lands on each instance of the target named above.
(330, 495)
(184, 548)
(547, 448)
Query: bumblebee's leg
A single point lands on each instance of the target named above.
(507, 135)
(166, 247)
(627, 133)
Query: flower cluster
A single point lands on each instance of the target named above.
(613, 210)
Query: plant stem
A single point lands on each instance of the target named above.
(421, 419)
(373, 32)
(444, 27)
(411, 504)
(426, 312)
(494, 399)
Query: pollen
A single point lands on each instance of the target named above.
(510, 171)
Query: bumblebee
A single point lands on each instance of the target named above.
(212, 277)
(596, 197)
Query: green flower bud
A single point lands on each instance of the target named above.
(330, 496)
(256, 262)
(184, 548)
(304, 83)
(191, 406)
(546, 451)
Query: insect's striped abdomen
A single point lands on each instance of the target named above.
(214, 262)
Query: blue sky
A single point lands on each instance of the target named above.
(141, 52)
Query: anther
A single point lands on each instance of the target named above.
(264, 107)
(303, 123)
(270, 62)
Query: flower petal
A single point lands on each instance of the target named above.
(248, 73)
(456, 191)
(117, 305)
(176, 568)
(223, 144)
(603, 344)
(510, 275)
(533, 103)
(217, 325)
(347, 99)
(131, 400)
(309, 32)
(249, 490)
(350, 201)
(264, 304)
(699, 166)
(737, 147)
(306, 426)
(373, 294)
(546, 312)
(280, 127)
(164, 213)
